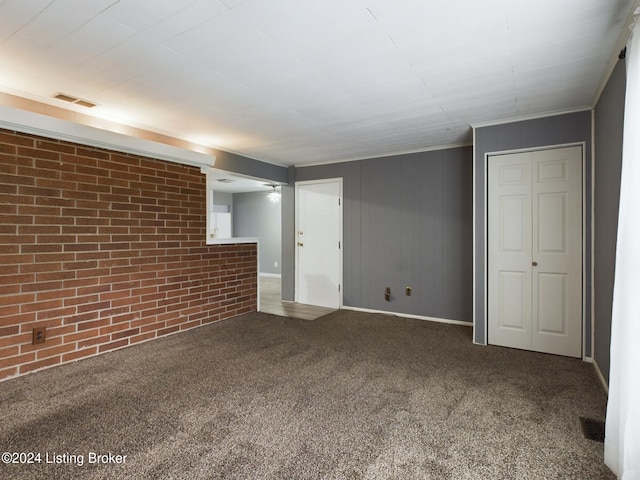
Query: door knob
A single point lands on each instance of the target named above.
(535, 264)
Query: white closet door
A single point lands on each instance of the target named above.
(510, 226)
(557, 250)
(535, 251)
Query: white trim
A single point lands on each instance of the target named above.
(485, 236)
(241, 240)
(600, 376)
(385, 155)
(225, 241)
(584, 236)
(473, 229)
(408, 315)
(270, 275)
(50, 127)
(593, 233)
(338, 180)
(585, 253)
(536, 149)
(524, 118)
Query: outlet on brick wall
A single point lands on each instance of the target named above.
(106, 250)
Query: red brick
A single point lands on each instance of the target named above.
(41, 267)
(94, 324)
(93, 341)
(56, 147)
(6, 331)
(9, 351)
(51, 342)
(8, 372)
(61, 330)
(17, 179)
(37, 210)
(13, 317)
(58, 313)
(59, 350)
(42, 248)
(190, 325)
(76, 337)
(90, 307)
(43, 287)
(142, 337)
(40, 306)
(151, 327)
(60, 294)
(47, 362)
(114, 240)
(17, 299)
(113, 345)
(126, 333)
(85, 317)
(167, 331)
(110, 329)
(80, 300)
(17, 360)
(17, 239)
(78, 354)
(81, 247)
(36, 153)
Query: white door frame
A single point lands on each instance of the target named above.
(485, 277)
(340, 233)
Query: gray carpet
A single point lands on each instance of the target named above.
(348, 396)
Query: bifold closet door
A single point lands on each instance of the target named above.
(535, 250)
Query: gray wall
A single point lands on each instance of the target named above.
(288, 237)
(223, 198)
(254, 215)
(609, 119)
(554, 130)
(407, 222)
(249, 166)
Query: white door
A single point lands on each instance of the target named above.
(535, 250)
(318, 244)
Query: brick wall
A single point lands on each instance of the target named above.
(106, 250)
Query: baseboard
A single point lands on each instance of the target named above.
(409, 315)
(271, 275)
(600, 376)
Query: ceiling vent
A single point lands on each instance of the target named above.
(78, 101)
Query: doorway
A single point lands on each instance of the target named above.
(319, 242)
(534, 214)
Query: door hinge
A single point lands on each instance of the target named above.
(339, 246)
(339, 202)
(338, 287)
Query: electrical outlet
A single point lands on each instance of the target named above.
(275, 264)
(39, 335)
(407, 291)
(387, 294)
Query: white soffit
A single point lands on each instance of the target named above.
(228, 182)
(303, 81)
(45, 126)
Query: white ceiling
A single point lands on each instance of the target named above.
(223, 181)
(298, 81)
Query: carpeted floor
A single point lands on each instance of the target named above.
(350, 395)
